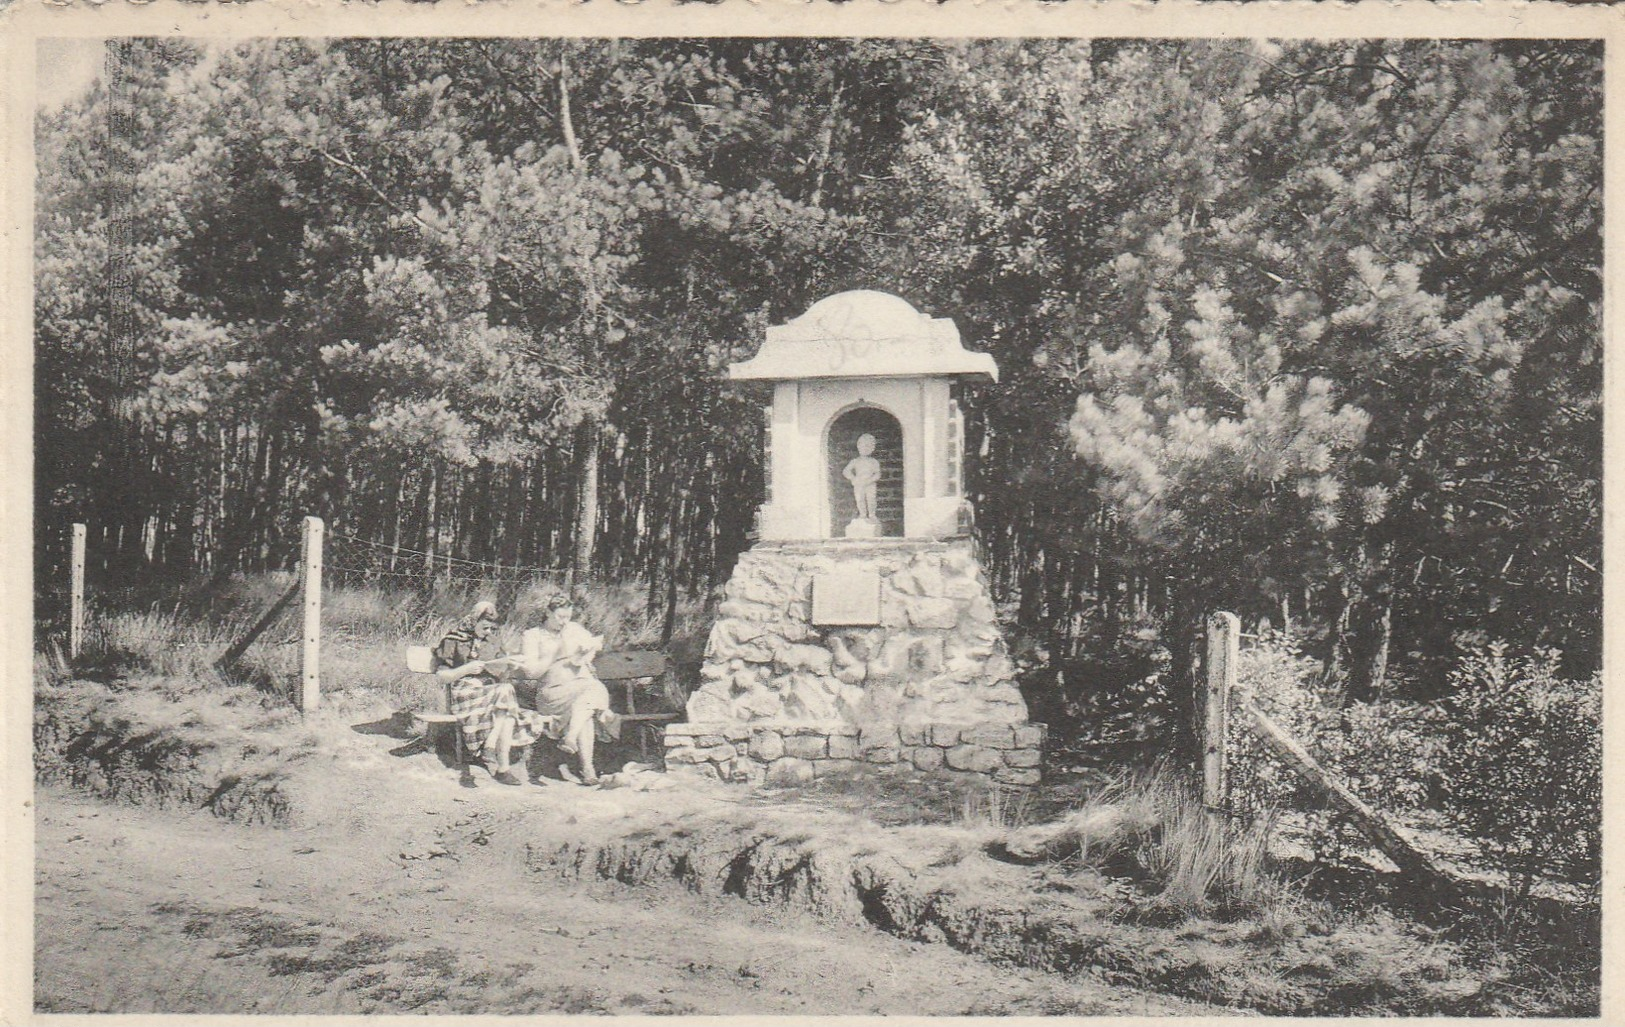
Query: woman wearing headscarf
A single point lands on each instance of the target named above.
(487, 711)
(560, 652)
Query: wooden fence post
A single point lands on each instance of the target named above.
(1223, 653)
(76, 611)
(309, 692)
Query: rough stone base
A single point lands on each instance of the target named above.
(933, 654)
(788, 754)
(919, 679)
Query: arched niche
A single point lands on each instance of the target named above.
(841, 445)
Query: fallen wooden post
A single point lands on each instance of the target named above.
(1372, 824)
(268, 618)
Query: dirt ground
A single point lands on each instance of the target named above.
(142, 910)
(387, 888)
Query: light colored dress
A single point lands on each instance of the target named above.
(568, 693)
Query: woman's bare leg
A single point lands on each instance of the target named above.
(501, 740)
(584, 745)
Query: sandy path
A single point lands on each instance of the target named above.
(149, 911)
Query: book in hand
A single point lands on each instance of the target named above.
(502, 666)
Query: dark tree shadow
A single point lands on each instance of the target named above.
(397, 725)
(404, 726)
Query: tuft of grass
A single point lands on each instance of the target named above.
(1151, 827)
(155, 642)
(1102, 831)
(1206, 866)
(51, 664)
(1006, 809)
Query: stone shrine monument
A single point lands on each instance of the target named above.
(858, 629)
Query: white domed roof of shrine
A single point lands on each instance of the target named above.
(864, 334)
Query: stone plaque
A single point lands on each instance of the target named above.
(846, 598)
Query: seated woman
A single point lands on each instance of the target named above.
(560, 653)
(489, 715)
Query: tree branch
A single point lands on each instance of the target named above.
(361, 175)
(525, 94)
(565, 121)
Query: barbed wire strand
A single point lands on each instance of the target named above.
(349, 560)
(398, 551)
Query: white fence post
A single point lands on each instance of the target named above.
(309, 693)
(76, 611)
(1223, 653)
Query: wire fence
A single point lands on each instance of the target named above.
(272, 629)
(385, 588)
(378, 598)
(134, 605)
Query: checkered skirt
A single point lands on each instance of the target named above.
(477, 701)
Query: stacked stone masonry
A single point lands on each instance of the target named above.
(928, 684)
(936, 654)
(796, 754)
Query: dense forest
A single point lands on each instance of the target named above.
(1309, 331)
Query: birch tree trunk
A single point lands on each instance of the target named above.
(586, 447)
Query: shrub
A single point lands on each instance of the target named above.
(1523, 771)
(1513, 755)
(1107, 700)
(1390, 753)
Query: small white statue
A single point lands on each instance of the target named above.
(863, 471)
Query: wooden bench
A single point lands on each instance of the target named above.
(626, 667)
(630, 666)
(420, 660)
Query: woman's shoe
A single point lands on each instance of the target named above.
(506, 778)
